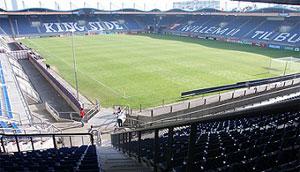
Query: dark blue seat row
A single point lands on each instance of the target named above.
(245, 29)
(268, 142)
(63, 159)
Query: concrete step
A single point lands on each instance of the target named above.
(111, 160)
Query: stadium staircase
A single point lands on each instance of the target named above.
(112, 160)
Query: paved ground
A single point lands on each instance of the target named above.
(104, 122)
(13, 46)
(43, 87)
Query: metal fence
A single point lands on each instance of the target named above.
(29, 142)
(215, 98)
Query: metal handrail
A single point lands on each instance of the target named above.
(7, 119)
(47, 123)
(197, 111)
(18, 137)
(292, 104)
(25, 104)
(91, 112)
(14, 130)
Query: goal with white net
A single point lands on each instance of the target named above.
(284, 65)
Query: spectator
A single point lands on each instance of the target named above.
(91, 129)
(118, 111)
(82, 113)
(119, 120)
(120, 115)
(47, 66)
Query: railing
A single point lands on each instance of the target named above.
(235, 105)
(41, 126)
(28, 142)
(97, 135)
(215, 98)
(92, 110)
(19, 54)
(22, 131)
(25, 104)
(35, 99)
(18, 118)
(245, 84)
(45, 126)
(134, 123)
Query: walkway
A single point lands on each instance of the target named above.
(44, 88)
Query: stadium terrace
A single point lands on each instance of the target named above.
(210, 30)
(260, 35)
(270, 36)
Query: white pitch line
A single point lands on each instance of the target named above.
(100, 83)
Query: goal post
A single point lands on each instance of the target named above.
(284, 66)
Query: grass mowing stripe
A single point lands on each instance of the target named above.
(146, 69)
(71, 66)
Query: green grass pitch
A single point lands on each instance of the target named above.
(151, 69)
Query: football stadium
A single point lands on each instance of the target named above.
(140, 85)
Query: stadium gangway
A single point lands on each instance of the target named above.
(239, 85)
(55, 137)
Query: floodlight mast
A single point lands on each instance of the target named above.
(74, 64)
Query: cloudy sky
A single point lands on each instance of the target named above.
(113, 4)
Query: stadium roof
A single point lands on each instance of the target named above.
(205, 10)
(288, 2)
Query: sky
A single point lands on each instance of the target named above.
(114, 4)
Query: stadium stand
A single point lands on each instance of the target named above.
(72, 158)
(261, 28)
(264, 140)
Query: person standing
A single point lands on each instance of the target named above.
(82, 113)
(47, 66)
(119, 119)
